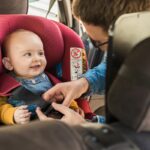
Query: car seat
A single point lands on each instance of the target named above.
(128, 73)
(129, 31)
(60, 44)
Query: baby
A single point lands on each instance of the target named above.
(25, 60)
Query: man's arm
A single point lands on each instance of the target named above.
(96, 78)
(91, 82)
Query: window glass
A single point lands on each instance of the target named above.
(40, 8)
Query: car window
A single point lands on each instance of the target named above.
(40, 8)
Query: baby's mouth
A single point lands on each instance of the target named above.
(35, 66)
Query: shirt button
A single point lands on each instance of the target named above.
(33, 81)
(43, 75)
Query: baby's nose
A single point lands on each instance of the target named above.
(36, 58)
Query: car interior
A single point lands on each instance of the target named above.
(60, 11)
(127, 76)
(121, 45)
(55, 35)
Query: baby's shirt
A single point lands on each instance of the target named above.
(37, 85)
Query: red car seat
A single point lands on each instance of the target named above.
(57, 38)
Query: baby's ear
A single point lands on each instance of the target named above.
(7, 64)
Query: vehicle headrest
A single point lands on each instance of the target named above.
(128, 31)
(129, 95)
(14, 7)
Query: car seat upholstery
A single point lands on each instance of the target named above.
(131, 103)
(57, 39)
(13, 7)
(128, 70)
(128, 73)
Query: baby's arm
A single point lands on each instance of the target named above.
(22, 115)
(6, 111)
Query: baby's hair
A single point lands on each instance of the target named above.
(8, 38)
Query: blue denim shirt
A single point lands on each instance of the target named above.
(37, 85)
(96, 78)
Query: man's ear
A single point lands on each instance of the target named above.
(7, 64)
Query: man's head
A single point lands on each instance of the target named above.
(24, 54)
(98, 15)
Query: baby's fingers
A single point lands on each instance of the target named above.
(25, 115)
(22, 107)
(24, 120)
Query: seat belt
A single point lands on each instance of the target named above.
(51, 3)
(65, 12)
(65, 15)
(22, 96)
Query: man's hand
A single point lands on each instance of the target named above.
(22, 115)
(70, 116)
(67, 91)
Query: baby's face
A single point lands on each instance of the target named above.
(26, 54)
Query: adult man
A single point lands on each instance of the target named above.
(56, 135)
(96, 16)
(133, 115)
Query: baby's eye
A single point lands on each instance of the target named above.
(27, 54)
(41, 53)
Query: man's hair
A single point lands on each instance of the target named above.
(104, 12)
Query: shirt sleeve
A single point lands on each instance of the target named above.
(6, 111)
(96, 78)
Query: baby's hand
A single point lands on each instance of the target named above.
(22, 115)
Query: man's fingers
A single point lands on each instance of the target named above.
(62, 109)
(41, 116)
(59, 97)
(50, 93)
(67, 100)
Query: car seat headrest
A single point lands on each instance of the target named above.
(48, 30)
(129, 95)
